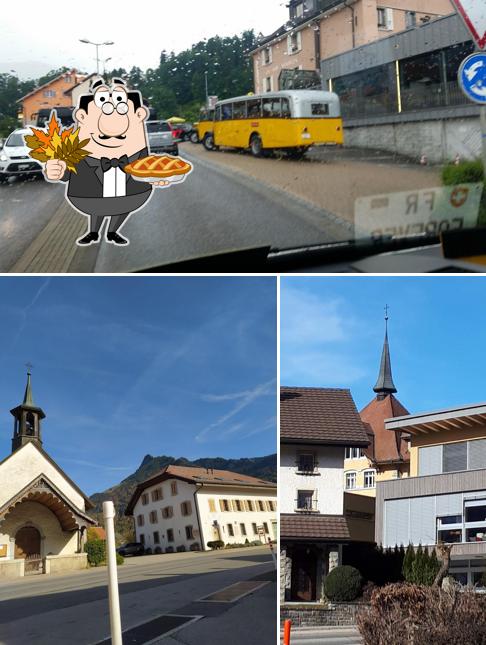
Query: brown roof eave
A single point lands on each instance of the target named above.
(318, 442)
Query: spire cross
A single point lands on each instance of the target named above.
(386, 311)
(29, 366)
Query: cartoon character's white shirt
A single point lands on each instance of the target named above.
(114, 183)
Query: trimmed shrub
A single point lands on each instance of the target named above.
(195, 546)
(181, 548)
(96, 550)
(467, 172)
(420, 567)
(119, 559)
(216, 544)
(148, 551)
(401, 614)
(343, 583)
(169, 549)
(157, 550)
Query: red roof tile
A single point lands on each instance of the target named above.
(386, 445)
(320, 415)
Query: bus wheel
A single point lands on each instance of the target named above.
(208, 142)
(256, 146)
(194, 138)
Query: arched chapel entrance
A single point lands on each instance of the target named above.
(27, 542)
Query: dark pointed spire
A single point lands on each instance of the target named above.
(384, 384)
(28, 400)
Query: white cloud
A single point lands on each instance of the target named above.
(309, 319)
(244, 399)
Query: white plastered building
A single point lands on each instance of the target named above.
(182, 509)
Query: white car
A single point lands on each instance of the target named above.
(14, 157)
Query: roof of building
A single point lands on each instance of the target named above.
(82, 79)
(53, 80)
(318, 528)
(385, 446)
(320, 415)
(88, 502)
(455, 418)
(204, 476)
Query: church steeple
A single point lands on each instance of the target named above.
(384, 384)
(27, 426)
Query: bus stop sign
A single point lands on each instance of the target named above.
(473, 12)
(472, 77)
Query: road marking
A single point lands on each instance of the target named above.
(152, 630)
(234, 592)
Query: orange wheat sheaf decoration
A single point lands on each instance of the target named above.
(55, 143)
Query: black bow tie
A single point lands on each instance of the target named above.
(106, 163)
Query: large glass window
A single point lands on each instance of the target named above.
(368, 93)
(449, 535)
(454, 457)
(421, 82)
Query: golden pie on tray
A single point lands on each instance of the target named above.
(159, 168)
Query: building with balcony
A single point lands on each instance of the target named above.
(320, 29)
(182, 509)
(444, 499)
(387, 455)
(317, 518)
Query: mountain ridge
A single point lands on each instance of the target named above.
(260, 467)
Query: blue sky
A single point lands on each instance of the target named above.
(332, 331)
(129, 366)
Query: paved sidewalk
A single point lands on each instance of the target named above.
(324, 636)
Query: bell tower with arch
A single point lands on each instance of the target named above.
(28, 417)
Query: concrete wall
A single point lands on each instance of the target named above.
(328, 484)
(62, 563)
(440, 140)
(11, 568)
(53, 539)
(24, 466)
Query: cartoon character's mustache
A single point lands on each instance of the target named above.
(104, 137)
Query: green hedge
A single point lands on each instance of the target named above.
(343, 583)
(216, 544)
(467, 172)
(96, 550)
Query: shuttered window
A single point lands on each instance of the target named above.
(422, 520)
(430, 460)
(477, 454)
(396, 522)
(454, 457)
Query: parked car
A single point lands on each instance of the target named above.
(14, 157)
(131, 548)
(64, 115)
(161, 137)
(184, 131)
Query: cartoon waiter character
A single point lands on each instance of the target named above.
(113, 119)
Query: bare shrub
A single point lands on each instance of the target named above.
(405, 614)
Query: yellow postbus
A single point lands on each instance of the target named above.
(203, 127)
(291, 121)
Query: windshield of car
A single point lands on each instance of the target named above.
(158, 126)
(15, 139)
(317, 123)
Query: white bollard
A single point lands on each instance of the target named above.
(274, 555)
(114, 600)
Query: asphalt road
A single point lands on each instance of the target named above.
(25, 209)
(72, 609)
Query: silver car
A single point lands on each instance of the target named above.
(161, 138)
(14, 157)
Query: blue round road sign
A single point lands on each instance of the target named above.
(472, 77)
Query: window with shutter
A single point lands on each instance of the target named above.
(430, 460)
(454, 457)
(477, 454)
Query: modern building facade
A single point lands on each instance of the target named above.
(320, 29)
(182, 509)
(43, 519)
(444, 499)
(387, 455)
(317, 517)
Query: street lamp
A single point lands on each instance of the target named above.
(207, 95)
(104, 65)
(88, 42)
